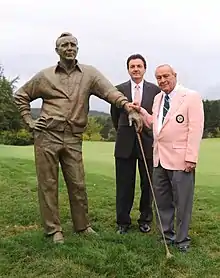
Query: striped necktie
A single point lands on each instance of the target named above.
(166, 106)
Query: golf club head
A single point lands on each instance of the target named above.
(169, 256)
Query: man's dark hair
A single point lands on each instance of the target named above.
(134, 57)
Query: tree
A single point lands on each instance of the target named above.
(10, 118)
(93, 128)
(106, 127)
(212, 117)
(112, 135)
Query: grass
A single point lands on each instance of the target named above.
(25, 252)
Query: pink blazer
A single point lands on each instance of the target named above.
(181, 133)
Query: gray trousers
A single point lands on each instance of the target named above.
(174, 192)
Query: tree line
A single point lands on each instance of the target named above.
(99, 127)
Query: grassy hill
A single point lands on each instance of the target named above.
(36, 112)
(26, 253)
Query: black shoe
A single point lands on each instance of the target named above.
(183, 248)
(122, 230)
(144, 228)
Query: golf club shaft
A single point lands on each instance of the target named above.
(154, 198)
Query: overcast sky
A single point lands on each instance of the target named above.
(185, 34)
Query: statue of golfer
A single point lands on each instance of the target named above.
(65, 90)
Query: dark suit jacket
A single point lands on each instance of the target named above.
(126, 141)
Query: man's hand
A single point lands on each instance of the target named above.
(135, 106)
(189, 166)
(37, 124)
(134, 116)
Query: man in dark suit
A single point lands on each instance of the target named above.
(127, 150)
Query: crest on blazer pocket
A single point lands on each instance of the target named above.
(179, 119)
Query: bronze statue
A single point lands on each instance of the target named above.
(65, 90)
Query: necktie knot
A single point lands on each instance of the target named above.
(167, 98)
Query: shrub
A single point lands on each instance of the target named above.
(112, 135)
(96, 137)
(217, 132)
(92, 137)
(85, 137)
(19, 138)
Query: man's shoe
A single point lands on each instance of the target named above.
(88, 231)
(58, 238)
(183, 248)
(122, 230)
(144, 228)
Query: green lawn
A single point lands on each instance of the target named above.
(24, 252)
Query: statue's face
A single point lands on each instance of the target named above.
(67, 48)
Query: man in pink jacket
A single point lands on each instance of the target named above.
(177, 122)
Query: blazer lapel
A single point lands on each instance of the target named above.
(176, 102)
(157, 110)
(144, 94)
(127, 91)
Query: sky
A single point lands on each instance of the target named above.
(184, 34)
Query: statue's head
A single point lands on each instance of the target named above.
(67, 46)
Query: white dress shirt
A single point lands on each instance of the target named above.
(160, 116)
(133, 85)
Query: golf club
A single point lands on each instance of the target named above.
(168, 254)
